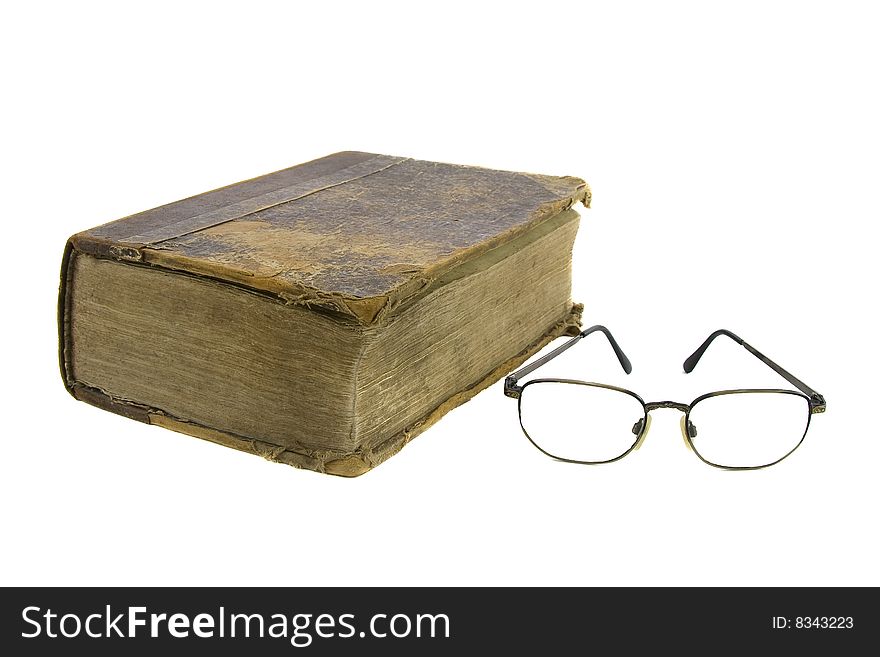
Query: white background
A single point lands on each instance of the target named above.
(733, 156)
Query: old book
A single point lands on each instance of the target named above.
(324, 315)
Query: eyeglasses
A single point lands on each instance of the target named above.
(595, 423)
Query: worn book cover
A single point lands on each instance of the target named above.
(323, 315)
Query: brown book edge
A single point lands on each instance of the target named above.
(345, 465)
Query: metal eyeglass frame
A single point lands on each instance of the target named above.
(815, 401)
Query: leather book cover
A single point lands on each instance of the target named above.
(357, 237)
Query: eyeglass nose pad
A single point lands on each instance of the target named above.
(688, 428)
(641, 429)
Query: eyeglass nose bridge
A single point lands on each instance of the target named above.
(652, 406)
(688, 430)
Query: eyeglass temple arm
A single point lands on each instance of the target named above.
(817, 401)
(510, 387)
